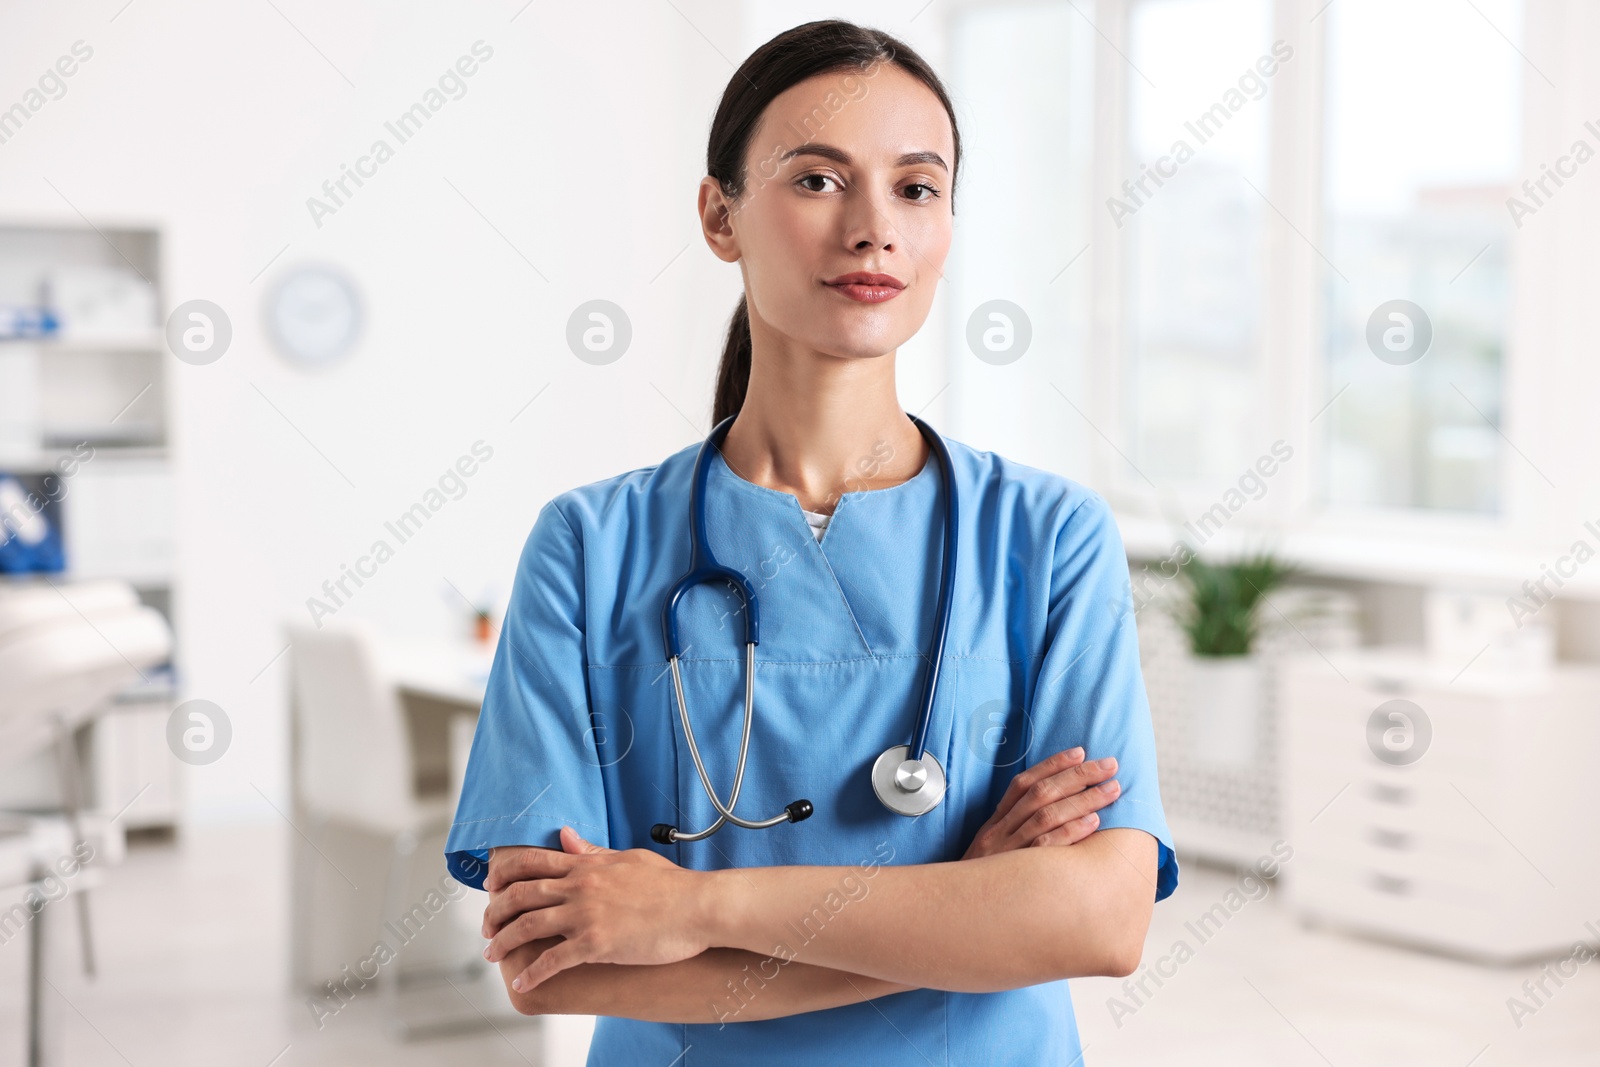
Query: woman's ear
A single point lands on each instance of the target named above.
(716, 221)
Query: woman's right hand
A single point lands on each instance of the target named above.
(1051, 803)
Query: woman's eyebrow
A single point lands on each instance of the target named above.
(838, 155)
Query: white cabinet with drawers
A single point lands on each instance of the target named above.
(1486, 845)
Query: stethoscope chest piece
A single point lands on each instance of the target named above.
(906, 786)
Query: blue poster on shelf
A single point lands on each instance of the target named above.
(30, 524)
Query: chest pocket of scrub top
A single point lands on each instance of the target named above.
(994, 733)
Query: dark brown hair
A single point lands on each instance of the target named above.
(788, 59)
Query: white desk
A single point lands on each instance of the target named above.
(453, 672)
(441, 686)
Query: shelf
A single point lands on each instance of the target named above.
(162, 687)
(146, 581)
(127, 453)
(62, 439)
(44, 461)
(142, 341)
(142, 580)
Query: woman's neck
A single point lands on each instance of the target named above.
(819, 426)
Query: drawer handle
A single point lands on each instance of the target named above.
(1388, 883)
(1389, 838)
(1389, 794)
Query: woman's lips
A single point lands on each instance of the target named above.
(867, 294)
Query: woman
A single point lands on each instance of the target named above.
(858, 934)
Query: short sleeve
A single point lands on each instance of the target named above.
(1090, 689)
(533, 765)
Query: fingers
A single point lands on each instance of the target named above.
(1070, 833)
(572, 844)
(525, 878)
(1047, 801)
(555, 959)
(1046, 767)
(1054, 787)
(516, 865)
(506, 904)
(1060, 812)
(529, 926)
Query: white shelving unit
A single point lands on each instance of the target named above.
(94, 397)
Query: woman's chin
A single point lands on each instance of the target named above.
(851, 341)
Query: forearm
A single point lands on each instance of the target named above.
(721, 985)
(983, 925)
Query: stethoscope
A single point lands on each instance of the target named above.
(908, 779)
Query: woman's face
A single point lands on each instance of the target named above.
(845, 173)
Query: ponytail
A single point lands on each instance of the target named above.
(733, 374)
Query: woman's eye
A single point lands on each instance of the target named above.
(917, 192)
(815, 178)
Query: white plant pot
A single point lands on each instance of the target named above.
(1225, 710)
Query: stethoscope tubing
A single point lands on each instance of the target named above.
(704, 567)
(724, 814)
(919, 737)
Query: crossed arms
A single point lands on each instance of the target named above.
(1040, 895)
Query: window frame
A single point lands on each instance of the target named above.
(1293, 327)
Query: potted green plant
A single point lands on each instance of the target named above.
(1221, 615)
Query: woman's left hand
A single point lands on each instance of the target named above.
(633, 906)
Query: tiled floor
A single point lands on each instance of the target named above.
(1266, 990)
(193, 972)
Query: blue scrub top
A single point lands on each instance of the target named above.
(579, 724)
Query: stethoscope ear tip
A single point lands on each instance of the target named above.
(799, 811)
(662, 834)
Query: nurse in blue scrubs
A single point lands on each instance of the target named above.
(858, 935)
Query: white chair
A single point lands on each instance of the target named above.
(37, 861)
(355, 767)
(65, 651)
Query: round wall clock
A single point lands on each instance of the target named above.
(314, 315)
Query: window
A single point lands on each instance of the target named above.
(1422, 106)
(1278, 197)
(1190, 215)
(1022, 79)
